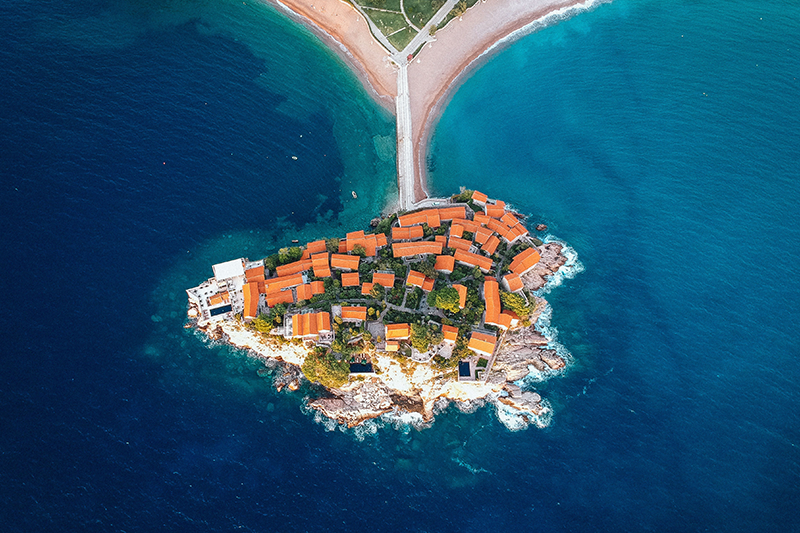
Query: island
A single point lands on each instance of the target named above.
(426, 306)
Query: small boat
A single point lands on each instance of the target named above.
(295, 241)
(355, 195)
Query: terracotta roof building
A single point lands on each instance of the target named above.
(491, 295)
(293, 268)
(279, 297)
(304, 292)
(350, 313)
(426, 216)
(406, 249)
(250, 300)
(398, 331)
(220, 298)
(462, 294)
(482, 219)
(345, 262)
(320, 263)
(392, 346)
(311, 324)
(474, 260)
(450, 334)
(453, 212)
(524, 261)
(366, 288)
(418, 279)
(317, 287)
(371, 242)
(407, 233)
(458, 243)
(482, 343)
(456, 230)
(386, 279)
(445, 263)
(283, 282)
(512, 282)
(316, 247)
(350, 279)
(254, 274)
(467, 225)
(490, 246)
(479, 197)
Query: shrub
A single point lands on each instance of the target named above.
(325, 370)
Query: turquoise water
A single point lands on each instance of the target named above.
(145, 141)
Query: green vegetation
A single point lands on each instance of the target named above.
(387, 22)
(392, 5)
(360, 251)
(423, 336)
(421, 11)
(516, 303)
(463, 197)
(414, 298)
(446, 299)
(325, 369)
(482, 362)
(385, 227)
(402, 38)
(332, 245)
(458, 10)
(289, 255)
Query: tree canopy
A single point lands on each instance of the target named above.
(446, 299)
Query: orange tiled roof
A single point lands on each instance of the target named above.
(426, 216)
(514, 233)
(524, 261)
(468, 225)
(496, 226)
(457, 243)
(354, 312)
(456, 230)
(407, 233)
(293, 268)
(450, 333)
(405, 249)
(509, 220)
(304, 292)
(481, 218)
(317, 287)
(309, 324)
(398, 331)
(510, 317)
(250, 300)
(475, 260)
(494, 211)
(491, 294)
(306, 254)
(392, 346)
(370, 242)
(219, 298)
(490, 247)
(384, 279)
(418, 279)
(440, 238)
(512, 282)
(445, 263)
(350, 279)
(452, 212)
(321, 265)
(355, 235)
(279, 297)
(462, 294)
(342, 246)
(366, 287)
(482, 235)
(482, 343)
(479, 197)
(283, 282)
(316, 247)
(254, 274)
(345, 261)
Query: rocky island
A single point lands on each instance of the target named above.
(433, 305)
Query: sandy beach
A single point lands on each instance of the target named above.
(437, 71)
(346, 32)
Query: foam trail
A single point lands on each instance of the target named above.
(568, 270)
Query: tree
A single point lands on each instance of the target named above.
(360, 251)
(262, 323)
(516, 303)
(446, 299)
(332, 245)
(432, 30)
(420, 337)
(271, 262)
(326, 370)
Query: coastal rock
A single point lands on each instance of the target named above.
(352, 406)
(541, 227)
(552, 359)
(374, 222)
(549, 263)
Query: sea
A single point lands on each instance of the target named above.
(141, 141)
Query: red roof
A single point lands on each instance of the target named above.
(220, 298)
(482, 343)
(452, 212)
(475, 260)
(405, 249)
(316, 247)
(481, 218)
(279, 297)
(283, 282)
(293, 268)
(354, 312)
(304, 292)
(462, 294)
(350, 279)
(321, 265)
(512, 282)
(510, 220)
(457, 243)
(479, 197)
(450, 333)
(495, 211)
(398, 331)
(491, 294)
(255, 274)
(468, 225)
(407, 233)
(445, 263)
(490, 247)
(418, 279)
(366, 287)
(433, 217)
(250, 300)
(524, 261)
(384, 279)
(317, 287)
(310, 324)
(344, 261)
(456, 230)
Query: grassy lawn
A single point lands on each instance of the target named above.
(391, 5)
(387, 22)
(402, 38)
(421, 11)
(462, 6)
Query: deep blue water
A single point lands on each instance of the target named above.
(141, 142)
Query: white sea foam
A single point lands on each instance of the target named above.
(405, 422)
(568, 270)
(516, 420)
